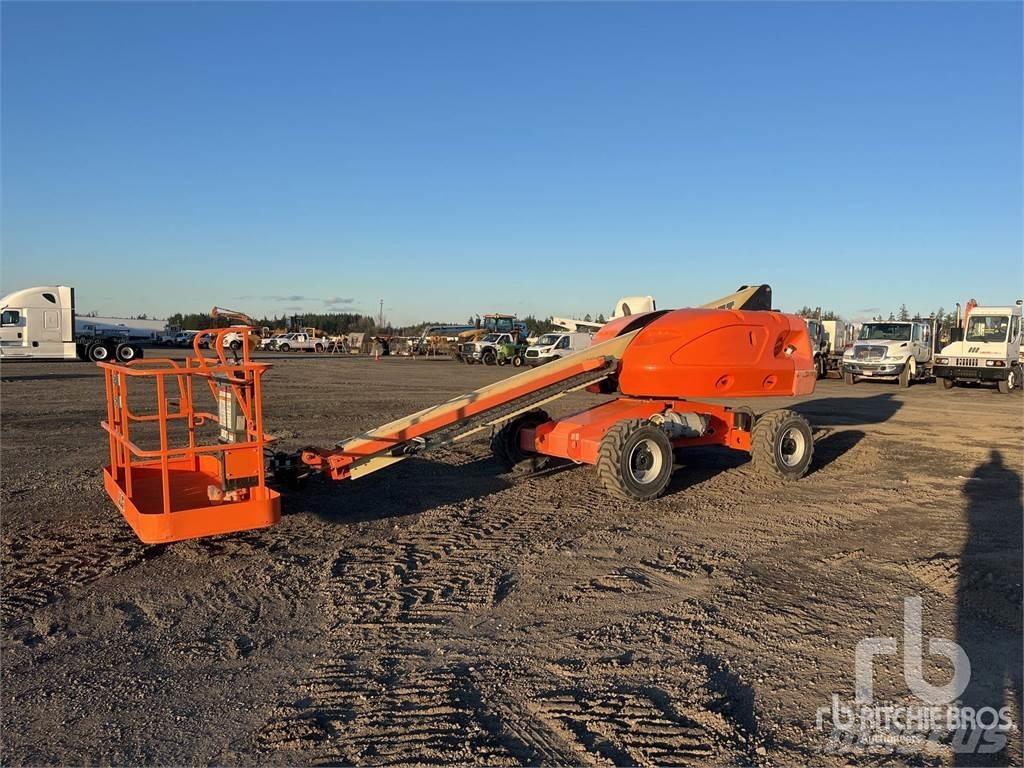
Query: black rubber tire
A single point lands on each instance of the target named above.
(822, 367)
(849, 378)
(488, 357)
(125, 353)
(505, 443)
(615, 457)
(100, 352)
(502, 361)
(905, 378)
(768, 444)
(467, 360)
(283, 347)
(235, 344)
(318, 347)
(1007, 385)
(947, 383)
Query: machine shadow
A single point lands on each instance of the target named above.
(416, 485)
(832, 445)
(988, 606)
(849, 411)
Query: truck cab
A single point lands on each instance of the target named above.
(39, 323)
(552, 346)
(894, 349)
(819, 343)
(485, 350)
(989, 350)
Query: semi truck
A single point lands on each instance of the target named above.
(39, 323)
(985, 347)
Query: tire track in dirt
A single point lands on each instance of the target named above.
(43, 563)
(393, 700)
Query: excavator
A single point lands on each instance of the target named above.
(648, 366)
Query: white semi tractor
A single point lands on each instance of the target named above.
(39, 323)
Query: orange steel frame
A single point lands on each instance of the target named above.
(165, 493)
(578, 437)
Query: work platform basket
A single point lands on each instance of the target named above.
(193, 465)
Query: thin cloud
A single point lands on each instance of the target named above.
(870, 309)
(338, 300)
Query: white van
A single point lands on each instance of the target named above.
(552, 346)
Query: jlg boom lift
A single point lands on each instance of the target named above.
(207, 472)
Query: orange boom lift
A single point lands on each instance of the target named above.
(653, 363)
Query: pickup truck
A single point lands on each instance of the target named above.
(300, 341)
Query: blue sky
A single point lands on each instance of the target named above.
(546, 158)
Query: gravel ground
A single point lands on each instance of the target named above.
(440, 611)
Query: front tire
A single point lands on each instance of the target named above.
(908, 373)
(235, 345)
(849, 378)
(947, 383)
(782, 444)
(1007, 385)
(488, 357)
(318, 348)
(517, 361)
(634, 461)
(283, 347)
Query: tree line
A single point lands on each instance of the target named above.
(940, 315)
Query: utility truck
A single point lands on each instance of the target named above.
(839, 334)
(819, 343)
(985, 346)
(895, 349)
(39, 323)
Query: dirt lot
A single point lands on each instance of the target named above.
(440, 611)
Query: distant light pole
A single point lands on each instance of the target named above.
(380, 316)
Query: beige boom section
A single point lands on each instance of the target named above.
(492, 404)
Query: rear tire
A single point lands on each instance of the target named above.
(318, 348)
(505, 443)
(782, 444)
(283, 347)
(235, 345)
(634, 461)
(125, 353)
(99, 352)
(849, 378)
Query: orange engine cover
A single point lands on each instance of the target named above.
(689, 353)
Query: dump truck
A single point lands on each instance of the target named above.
(661, 375)
(40, 323)
(986, 347)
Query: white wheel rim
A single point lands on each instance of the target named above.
(101, 353)
(1011, 380)
(792, 447)
(645, 461)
